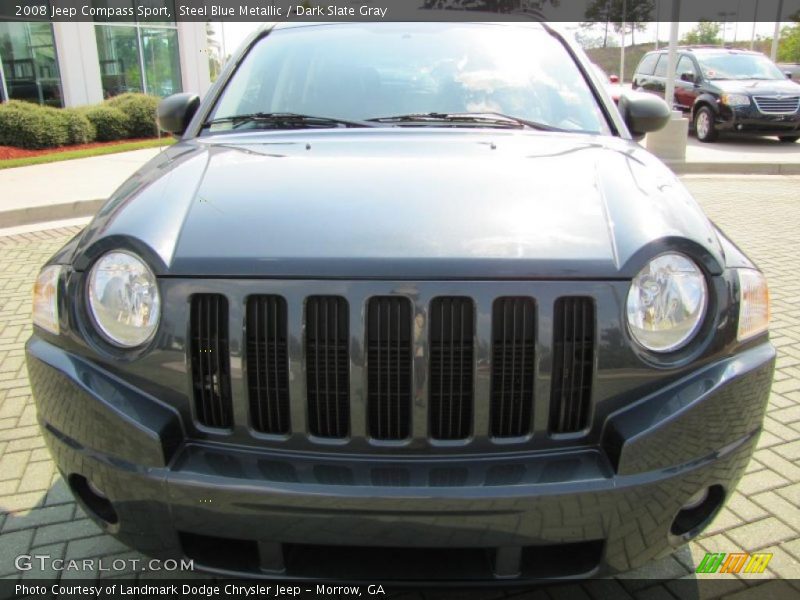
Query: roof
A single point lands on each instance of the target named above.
(706, 50)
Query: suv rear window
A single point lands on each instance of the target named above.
(648, 63)
(661, 67)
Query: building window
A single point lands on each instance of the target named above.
(138, 57)
(162, 68)
(29, 63)
(120, 59)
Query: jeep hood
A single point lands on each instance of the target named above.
(393, 204)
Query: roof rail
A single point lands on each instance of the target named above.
(727, 46)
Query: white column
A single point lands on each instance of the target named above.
(774, 50)
(3, 88)
(672, 62)
(78, 63)
(670, 142)
(193, 45)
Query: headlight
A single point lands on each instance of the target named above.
(666, 303)
(123, 299)
(753, 304)
(45, 299)
(736, 99)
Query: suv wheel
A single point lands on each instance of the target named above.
(704, 126)
(789, 139)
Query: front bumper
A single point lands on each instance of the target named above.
(580, 512)
(748, 119)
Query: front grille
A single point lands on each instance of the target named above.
(209, 359)
(451, 367)
(773, 105)
(513, 341)
(400, 347)
(573, 360)
(389, 367)
(267, 364)
(327, 366)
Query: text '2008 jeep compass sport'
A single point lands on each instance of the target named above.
(405, 301)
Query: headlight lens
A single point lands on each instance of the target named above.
(753, 304)
(736, 99)
(45, 299)
(666, 303)
(124, 299)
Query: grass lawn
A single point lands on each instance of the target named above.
(84, 153)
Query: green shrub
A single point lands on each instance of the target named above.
(30, 126)
(109, 123)
(141, 112)
(79, 128)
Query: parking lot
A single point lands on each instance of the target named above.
(762, 214)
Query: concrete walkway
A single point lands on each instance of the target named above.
(66, 189)
(742, 156)
(77, 188)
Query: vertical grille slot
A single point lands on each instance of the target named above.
(210, 361)
(267, 364)
(513, 343)
(452, 326)
(389, 367)
(573, 360)
(327, 366)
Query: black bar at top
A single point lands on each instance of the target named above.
(155, 11)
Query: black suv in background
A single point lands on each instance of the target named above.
(729, 90)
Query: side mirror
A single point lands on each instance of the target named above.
(688, 77)
(613, 78)
(175, 112)
(643, 113)
(788, 74)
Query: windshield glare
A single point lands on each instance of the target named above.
(366, 71)
(739, 66)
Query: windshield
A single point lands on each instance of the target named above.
(739, 66)
(363, 71)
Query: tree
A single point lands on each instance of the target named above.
(495, 6)
(706, 33)
(789, 42)
(634, 14)
(214, 51)
(588, 40)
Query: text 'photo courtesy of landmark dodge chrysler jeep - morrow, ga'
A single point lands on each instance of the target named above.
(404, 302)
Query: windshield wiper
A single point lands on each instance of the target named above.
(490, 119)
(286, 119)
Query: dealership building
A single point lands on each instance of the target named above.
(76, 63)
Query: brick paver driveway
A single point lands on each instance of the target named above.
(762, 214)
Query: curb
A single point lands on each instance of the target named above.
(714, 168)
(52, 212)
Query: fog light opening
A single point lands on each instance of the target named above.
(697, 512)
(691, 503)
(93, 499)
(96, 490)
